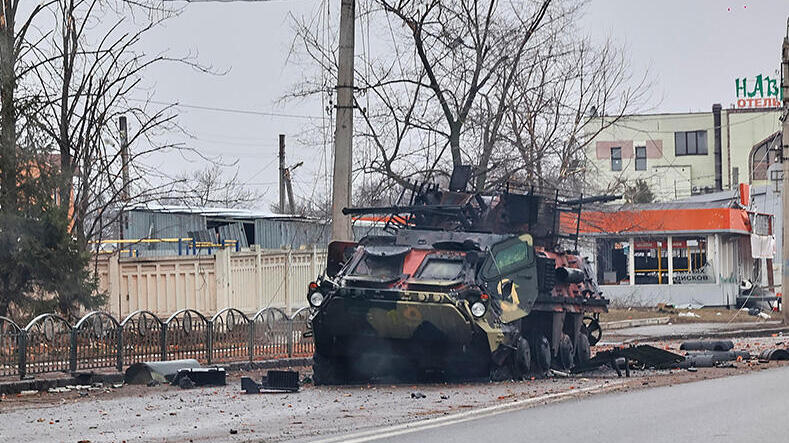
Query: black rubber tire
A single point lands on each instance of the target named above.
(326, 370)
(522, 359)
(541, 352)
(500, 373)
(583, 351)
(566, 357)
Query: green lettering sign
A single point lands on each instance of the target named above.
(763, 87)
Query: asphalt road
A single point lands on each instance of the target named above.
(750, 407)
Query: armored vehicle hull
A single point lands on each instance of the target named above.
(425, 304)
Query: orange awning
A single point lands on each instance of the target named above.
(658, 221)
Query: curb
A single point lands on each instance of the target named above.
(88, 378)
(622, 324)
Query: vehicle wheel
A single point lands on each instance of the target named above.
(593, 330)
(566, 357)
(522, 359)
(326, 370)
(542, 353)
(500, 373)
(583, 352)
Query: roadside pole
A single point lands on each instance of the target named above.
(281, 173)
(785, 165)
(343, 136)
(124, 194)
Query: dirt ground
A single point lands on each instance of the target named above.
(704, 315)
(167, 413)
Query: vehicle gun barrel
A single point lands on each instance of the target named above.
(595, 199)
(402, 209)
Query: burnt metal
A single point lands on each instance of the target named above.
(707, 345)
(159, 371)
(646, 355)
(201, 376)
(593, 330)
(569, 275)
(286, 381)
(465, 280)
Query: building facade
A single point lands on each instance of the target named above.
(682, 253)
(686, 154)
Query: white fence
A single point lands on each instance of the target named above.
(247, 280)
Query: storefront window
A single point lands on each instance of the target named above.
(651, 261)
(690, 261)
(612, 262)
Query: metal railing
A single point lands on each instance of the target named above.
(50, 344)
(186, 245)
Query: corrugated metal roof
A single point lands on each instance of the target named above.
(234, 213)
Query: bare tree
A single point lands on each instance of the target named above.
(68, 72)
(209, 187)
(508, 88)
(86, 70)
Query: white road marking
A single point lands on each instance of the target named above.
(405, 428)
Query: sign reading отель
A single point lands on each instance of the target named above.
(758, 92)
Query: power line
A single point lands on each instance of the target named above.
(230, 110)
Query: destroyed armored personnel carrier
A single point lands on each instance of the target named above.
(463, 285)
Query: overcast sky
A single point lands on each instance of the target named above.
(692, 49)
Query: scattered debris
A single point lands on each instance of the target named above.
(201, 377)
(160, 371)
(152, 383)
(418, 395)
(444, 397)
(707, 345)
(647, 355)
(688, 314)
(693, 369)
(58, 390)
(669, 309)
(233, 431)
(29, 392)
(273, 381)
(763, 315)
(774, 354)
(186, 383)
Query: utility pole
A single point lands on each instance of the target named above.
(124, 194)
(343, 135)
(785, 165)
(282, 173)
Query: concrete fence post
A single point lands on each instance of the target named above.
(314, 267)
(288, 258)
(259, 276)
